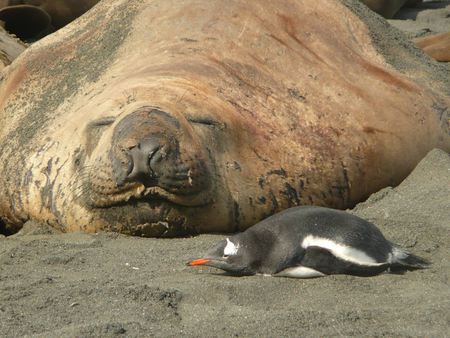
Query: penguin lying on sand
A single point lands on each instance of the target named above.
(304, 242)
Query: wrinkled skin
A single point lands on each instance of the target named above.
(33, 19)
(163, 118)
(388, 8)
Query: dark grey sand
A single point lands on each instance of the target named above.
(78, 285)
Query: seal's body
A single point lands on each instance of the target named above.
(10, 48)
(436, 46)
(167, 117)
(388, 8)
(307, 242)
(33, 19)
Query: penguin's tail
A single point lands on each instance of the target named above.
(402, 260)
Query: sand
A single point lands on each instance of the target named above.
(105, 285)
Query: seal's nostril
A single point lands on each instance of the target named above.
(129, 164)
(155, 157)
(141, 158)
(151, 155)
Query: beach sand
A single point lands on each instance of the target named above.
(106, 284)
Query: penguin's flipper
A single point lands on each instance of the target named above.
(323, 260)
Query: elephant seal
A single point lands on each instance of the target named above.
(388, 8)
(163, 118)
(10, 48)
(436, 46)
(33, 19)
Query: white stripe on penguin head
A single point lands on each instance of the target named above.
(230, 248)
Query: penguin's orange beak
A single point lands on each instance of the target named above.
(201, 261)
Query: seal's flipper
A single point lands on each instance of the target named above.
(10, 47)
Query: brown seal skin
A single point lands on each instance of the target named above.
(33, 19)
(388, 8)
(162, 117)
(436, 46)
(10, 48)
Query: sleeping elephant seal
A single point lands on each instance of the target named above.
(436, 46)
(388, 8)
(10, 48)
(33, 19)
(167, 117)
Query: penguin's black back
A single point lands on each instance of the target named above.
(289, 228)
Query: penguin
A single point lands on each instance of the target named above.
(310, 241)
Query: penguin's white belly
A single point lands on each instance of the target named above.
(299, 272)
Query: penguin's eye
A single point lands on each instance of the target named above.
(225, 256)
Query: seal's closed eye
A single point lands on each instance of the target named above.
(101, 122)
(207, 121)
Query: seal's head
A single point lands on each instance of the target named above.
(151, 148)
(153, 170)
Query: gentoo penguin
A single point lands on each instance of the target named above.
(310, 241)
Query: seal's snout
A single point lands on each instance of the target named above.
(143, 160)
(142, 141)
(158, 150)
